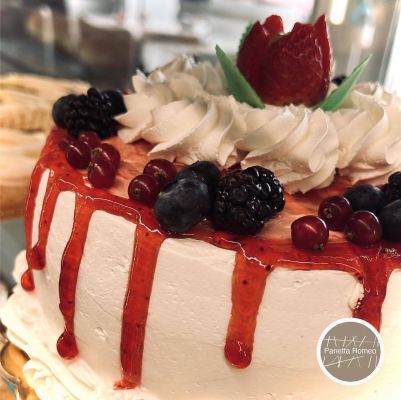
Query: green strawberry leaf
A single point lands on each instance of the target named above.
(244, 35)
(336, 98)
(238, 85)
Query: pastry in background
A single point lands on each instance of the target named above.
(25, 119)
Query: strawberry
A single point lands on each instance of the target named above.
(273, 25)
(287, 68)
(251, 55)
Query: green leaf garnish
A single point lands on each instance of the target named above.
(238, 85)
(336, 98)
(244, 35)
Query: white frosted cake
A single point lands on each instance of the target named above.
(115, 305)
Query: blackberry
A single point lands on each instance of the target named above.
(392, 189)
(59, 109)
(91, 112)
(116, 100)
(338, 80)
(245, 200)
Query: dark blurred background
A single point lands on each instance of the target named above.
(104, 42)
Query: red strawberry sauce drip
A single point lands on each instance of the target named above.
(256, 258)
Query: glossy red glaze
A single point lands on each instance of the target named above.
(256, 256)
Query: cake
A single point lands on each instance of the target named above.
(115, 305)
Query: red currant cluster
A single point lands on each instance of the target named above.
(336, 213)
(156, 175)
(101, 159)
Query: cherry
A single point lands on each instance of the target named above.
(309, 233)
(78, 154)
(91, 138)
(335, 211)
(363, 228)
(65, 142)
(144, 188)
(107, 152)
(101, 173)
(162, 170)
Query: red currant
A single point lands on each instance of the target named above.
(107, 152)
(144, 188)
(65, 142)
(363, 228)
(91, 138)
(162, 170)
(309, 233)
(335, 211)
(101, 173)
(78, 154)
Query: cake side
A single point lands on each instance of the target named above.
(171, 311)
(93, 292)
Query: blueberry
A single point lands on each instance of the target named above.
(117, 105)
(182, 204)
(366, 197)
(205, 171)
(59, 109)
(390, 217)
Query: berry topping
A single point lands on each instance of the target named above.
(287, 68)
(78, 154)
(115, 100)
(162, 170)
(204, 171)
(182, 204)
(392, 189)
(59, 109)
(335, 211)
(390, 218)
(91, 112)
(144, 188)
(65, 142)
(363, 228)
(365, 197)
(91, 138)
(245, 200)
(309, 233)
(107, 152)
(101, 173)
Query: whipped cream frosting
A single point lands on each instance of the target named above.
(368, 129)
(183, 109)
(298, 144)
(46, 372)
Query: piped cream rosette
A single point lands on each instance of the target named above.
(185, 111)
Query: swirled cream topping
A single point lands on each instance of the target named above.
(298, 144)
(206, 128)
(180, 79)
(184, 110)
(368, 128)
